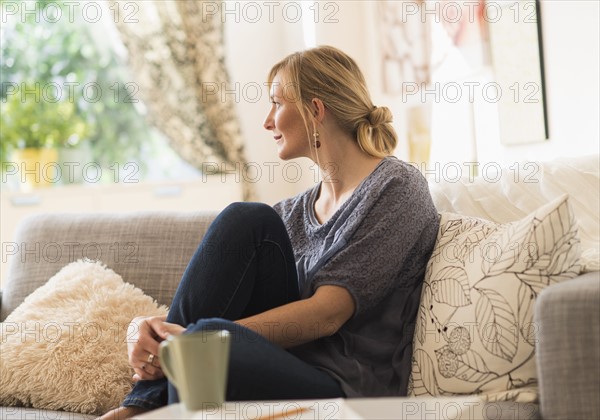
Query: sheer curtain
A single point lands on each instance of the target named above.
(176, 54)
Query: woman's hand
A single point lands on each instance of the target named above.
(144, 336)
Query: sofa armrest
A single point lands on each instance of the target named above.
(568, 355)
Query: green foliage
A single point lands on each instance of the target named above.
(77, 62)
(39, 120)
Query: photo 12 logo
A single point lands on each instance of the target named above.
(468, 11)
(453, 92)
(69, 11)
(53, 92)
(68, 172)
(52, 252)
(270, 11)
(490, 172)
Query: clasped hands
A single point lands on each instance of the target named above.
(144, 335)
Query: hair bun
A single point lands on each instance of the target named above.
(380, 115)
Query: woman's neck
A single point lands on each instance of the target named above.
(343, 169)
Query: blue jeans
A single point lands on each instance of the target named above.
(244, 266)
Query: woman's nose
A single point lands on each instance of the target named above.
(269, 124)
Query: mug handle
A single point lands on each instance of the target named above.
(165, 361)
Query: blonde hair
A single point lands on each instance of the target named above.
(333, 77)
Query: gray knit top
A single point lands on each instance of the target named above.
(376, 246)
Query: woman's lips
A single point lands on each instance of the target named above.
(277, 137)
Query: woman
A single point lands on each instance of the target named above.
(319, 292)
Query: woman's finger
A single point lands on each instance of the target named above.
(145, 336)
(145, 346)
(154, 372)
(147, 373)
(142, 343)
(155, 361)
(163, 329)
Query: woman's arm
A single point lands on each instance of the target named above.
(305, 320)
(289, 325)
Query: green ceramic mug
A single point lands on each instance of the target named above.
(196, 364)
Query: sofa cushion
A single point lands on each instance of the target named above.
(475, 332)
(505, 194)
(149, 249)
(65, 347)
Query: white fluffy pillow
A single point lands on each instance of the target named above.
(475, 331)
(65, 348)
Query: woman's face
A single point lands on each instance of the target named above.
(286, 123)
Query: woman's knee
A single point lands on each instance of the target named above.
(241, 217)
(249, 211)
(238, 334)
(210, 324)
(219, 324)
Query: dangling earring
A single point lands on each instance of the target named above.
(316, 141)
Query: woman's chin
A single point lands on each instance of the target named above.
(283, 154)
(286, 154)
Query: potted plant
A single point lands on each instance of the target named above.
(34, 125)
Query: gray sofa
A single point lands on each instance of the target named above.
(151, 250)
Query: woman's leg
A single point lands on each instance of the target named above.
(244, 265)
(261, 370)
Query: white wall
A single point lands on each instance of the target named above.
(252, 48)
(570, 32)
(571, 61)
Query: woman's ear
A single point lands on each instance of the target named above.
(318, 109)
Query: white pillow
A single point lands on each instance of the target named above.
(475, 331)
(65, 348)
(505, 194)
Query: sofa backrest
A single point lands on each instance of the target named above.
(149, 249)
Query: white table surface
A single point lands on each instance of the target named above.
(465, 408)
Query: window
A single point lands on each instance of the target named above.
(65, 88)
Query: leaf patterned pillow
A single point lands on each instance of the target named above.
(475, 332)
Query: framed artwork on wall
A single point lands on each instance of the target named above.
(486, 53)
(518, 63)
(405, 45)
